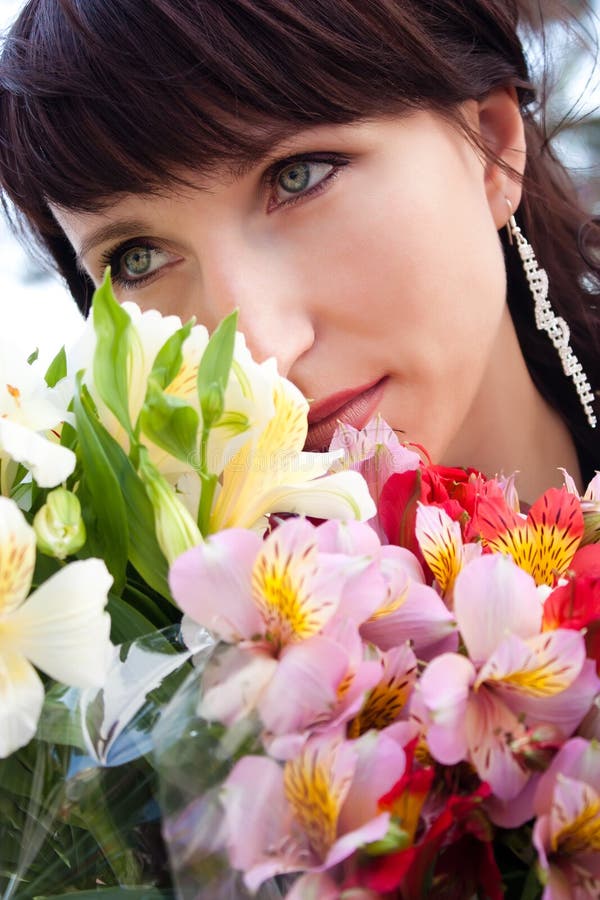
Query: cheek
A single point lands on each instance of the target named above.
(407, 273)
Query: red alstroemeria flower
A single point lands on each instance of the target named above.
(576, 604)
(544, 542)
(408, 869)
(455, 490)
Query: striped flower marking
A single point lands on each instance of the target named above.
(544, 542)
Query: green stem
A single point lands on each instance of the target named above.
(209, 485)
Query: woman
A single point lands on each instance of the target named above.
(343, 171)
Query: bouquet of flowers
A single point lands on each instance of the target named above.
(386, 679)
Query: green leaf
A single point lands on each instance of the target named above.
(115, 336)
(106, 522)
(57, 368)
(169, 358)
(214, 369)
(33, 356)
(127, 622)
(144, 550)
(170, 422)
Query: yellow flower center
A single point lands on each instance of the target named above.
(391, 603)
(544, 551)
(541, 675)
(281, 591)
(382, 706)
(314, 800)
(16, 565)
(581, 835)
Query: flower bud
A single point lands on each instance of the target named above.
(591, 522)
(58, 525)
(176, 530)
(212, 403)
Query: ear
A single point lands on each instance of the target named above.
(501, 129)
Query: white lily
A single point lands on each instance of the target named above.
(271, 473)
(29, 410)
(61, 628)
(248, 403)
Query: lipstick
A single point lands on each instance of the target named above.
(354, 407)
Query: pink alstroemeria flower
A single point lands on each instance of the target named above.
(274, 592)
(514, 678)
(410, 610)
(314, 811)
(293, 610)
(319, 684)
(567, 831)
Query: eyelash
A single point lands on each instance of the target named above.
(271, 175)
(112, 257)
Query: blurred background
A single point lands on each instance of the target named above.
(34, 300)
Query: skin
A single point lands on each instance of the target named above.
(392, 267)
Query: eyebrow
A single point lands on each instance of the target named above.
(111, 232)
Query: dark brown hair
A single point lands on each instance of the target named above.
(101, 97)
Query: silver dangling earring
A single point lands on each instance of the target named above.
(547, 320)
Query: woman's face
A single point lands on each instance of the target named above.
(362, 255)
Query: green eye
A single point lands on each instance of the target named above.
(137, 261)
(300, 177)
(295, 178)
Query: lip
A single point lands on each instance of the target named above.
(353, 407)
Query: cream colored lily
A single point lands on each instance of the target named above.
(271, 473)
(61, 628)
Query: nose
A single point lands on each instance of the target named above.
(272, 299)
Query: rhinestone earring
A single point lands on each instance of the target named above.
(547, 320)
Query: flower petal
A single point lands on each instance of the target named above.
(316, 785)
(444, 689)
(545, 679)
(493, 598)
(577, 758)
(441, 544)
(21, 700)
(303, 690)
(343, 495)
(62, 627)
(294, 590)
(260, 835)
(544, 543)
(490, 728)
(17, 556)
(380, 762)
(212, 584)
(233, 683)
(48, 462)
(422, 618)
